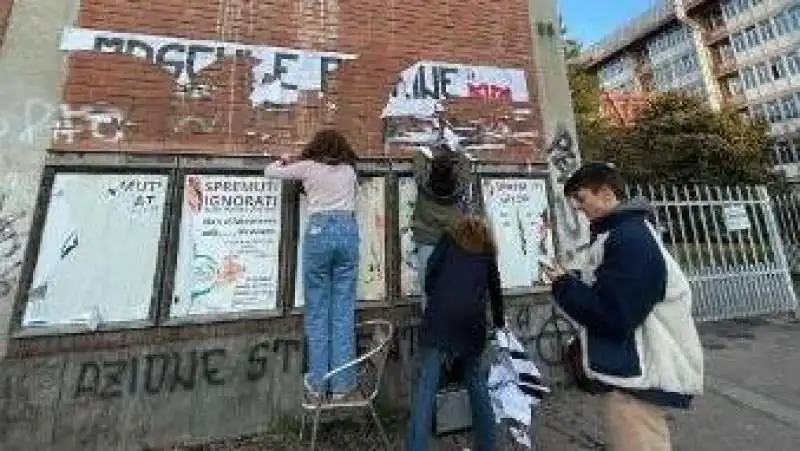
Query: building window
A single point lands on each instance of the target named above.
(748, 77)
(793, 62)
(790, 108)
(775, 113)
(794, 13)
(763, 73)
(727, 10)
(766, 31)
(777, 67)
(783, 23)
(737, 40)
(753, 38)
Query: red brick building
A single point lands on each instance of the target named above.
(621, 107)
(145, 82)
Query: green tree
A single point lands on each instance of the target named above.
(572, 47)
(678, 139)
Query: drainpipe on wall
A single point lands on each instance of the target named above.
(704, 58)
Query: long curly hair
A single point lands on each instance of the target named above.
(474, 234)
(329, 147)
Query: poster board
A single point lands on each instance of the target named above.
(98, 252)
(407, 195)
(518, 212)
(371, 215)
(228, 254)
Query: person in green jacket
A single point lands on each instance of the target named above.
(442, 180)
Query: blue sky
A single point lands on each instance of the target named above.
(590, 20)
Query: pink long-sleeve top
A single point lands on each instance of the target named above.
(328, 187)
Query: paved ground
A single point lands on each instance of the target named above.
(752, 403)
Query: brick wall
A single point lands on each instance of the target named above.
(387, 35)
(5, 15)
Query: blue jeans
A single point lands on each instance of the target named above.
(330, 272)
(424, 252)
(431, 361)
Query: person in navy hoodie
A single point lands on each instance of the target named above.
(461, 271)
(633, 305)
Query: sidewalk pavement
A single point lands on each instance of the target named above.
(752, 399)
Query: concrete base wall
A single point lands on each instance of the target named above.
(143, 396)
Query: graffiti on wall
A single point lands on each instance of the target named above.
(278, 75)
(563, 160)
(170, 371)
(160, 372)
(10, 247)
(417, 110)
(66, 122)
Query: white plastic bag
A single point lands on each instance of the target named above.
(515, 385)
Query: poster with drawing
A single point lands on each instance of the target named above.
(407, 193)
(517, 210)
(99, 250)
(371, 214)
(229, 242)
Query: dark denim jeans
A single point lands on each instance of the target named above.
(431, 361)
(330, 273)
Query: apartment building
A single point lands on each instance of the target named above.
(739, 53)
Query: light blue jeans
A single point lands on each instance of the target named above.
(424, 252)
(330, 273)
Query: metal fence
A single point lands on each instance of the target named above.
(728, 241)
(787, 213)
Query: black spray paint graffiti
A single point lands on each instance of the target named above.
(278, 74)
(10, 248)
(168, 372)
(161, 372)
(563, 161)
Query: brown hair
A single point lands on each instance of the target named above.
(329, 147)
(473, 234)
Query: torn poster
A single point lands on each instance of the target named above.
(278, 74)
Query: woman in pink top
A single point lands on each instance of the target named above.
(326, 168)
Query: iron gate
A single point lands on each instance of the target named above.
(787, 211)
(729, 244)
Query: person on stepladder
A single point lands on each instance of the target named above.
(326, 168)
(638, 346)
(461, 271)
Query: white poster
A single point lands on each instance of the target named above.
(278, 73)
(229, 242)
(99, 249)
(518, 212)
(371, 214)
(736, 218)
(409, 282)
(421, 86)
